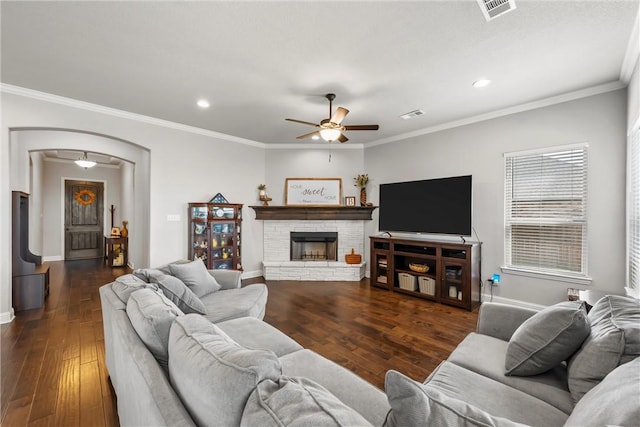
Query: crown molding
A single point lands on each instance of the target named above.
(632, 53)
(74, 103)
(571, 96)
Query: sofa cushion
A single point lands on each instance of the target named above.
(250, 332)
(195, 275)
(547, 338)
(248, 301)
(614, 401)
(179, 293)
(355, 392)
(146, 274)
(485, 355)
(125, 285)
(415, 404)
(494, 397)
(614, 339)
(297, 401)
(151, 315)
(212, 374)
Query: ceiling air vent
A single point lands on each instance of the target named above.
(494, 8)
(412, 114)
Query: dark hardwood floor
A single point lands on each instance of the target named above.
(53, 370)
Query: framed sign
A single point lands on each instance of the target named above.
(313, 192)
(350, 201)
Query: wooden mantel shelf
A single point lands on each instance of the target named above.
(314, 212)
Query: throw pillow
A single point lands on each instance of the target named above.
(415, 404)
(151, 315)
(146, 274)
(125, 285)
(547, 339)
(612, 402)
(212, 374)
(615, 331)
(174, 289)
(196, 277)
(297, 401)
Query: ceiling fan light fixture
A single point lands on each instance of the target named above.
(84, 162)
(329, 134)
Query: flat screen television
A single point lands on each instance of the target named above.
(437, 206)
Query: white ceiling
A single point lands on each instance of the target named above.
(259, 62)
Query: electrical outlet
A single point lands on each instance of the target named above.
(173, 217)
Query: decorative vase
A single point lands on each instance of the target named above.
(123, 231)
(363, 197)
(263, 193)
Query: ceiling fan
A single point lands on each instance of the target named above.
(332, 129)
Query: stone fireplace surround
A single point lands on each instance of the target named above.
(280, 221)
(276, 263)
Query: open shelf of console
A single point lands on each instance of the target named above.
(440, 271)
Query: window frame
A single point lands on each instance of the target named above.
(558, 274)
(632, 257)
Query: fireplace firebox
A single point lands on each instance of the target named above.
(314, 246)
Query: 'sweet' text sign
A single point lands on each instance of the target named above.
(313, 191)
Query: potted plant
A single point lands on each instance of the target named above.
(361, 182)
(262, 188)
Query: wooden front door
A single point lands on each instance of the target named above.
(83, 222)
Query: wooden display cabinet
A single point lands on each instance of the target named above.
(440, 271)
(215, 234)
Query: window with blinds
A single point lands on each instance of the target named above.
(633, 210)
(546, 210)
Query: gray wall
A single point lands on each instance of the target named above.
(346, 162)
(477, 149)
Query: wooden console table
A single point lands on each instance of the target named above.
(116, 251)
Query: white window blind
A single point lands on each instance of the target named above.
(546, 210)
(633, 210)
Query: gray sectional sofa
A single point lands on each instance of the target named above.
(176, 369)
(235, 371)
(565, 367)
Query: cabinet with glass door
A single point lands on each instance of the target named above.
(215, 234)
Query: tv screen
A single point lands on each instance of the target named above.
(438, 206)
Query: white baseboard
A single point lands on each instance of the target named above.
(52, 258)
(7, 317)
(515, 302)
(251, 274)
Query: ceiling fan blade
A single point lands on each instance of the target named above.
(362, 127)
(308, 135)
(304, 123)
(339, 115)
(342, 138)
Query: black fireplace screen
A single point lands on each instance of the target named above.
(314, 246)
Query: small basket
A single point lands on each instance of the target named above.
(353, 258)
(427, 285)
(407, 282)
(418, 268)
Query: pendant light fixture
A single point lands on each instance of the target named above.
(84, 162)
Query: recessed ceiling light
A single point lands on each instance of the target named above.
(203, 103)
(481, 83)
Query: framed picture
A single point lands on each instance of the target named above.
(313, 192)
(115, 232)
(350, 201)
